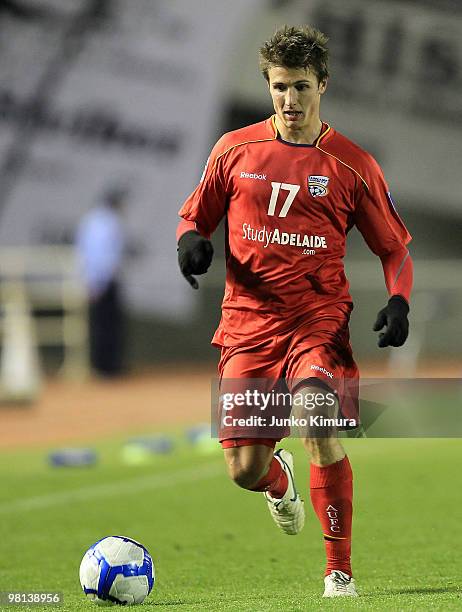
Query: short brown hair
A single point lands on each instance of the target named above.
(296, 47)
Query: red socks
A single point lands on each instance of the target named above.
(331, 489)
(275, 482)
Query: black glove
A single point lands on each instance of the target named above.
(394, 317)
(194, 256)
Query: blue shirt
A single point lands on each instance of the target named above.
(100, 246)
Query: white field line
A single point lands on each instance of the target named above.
(134, 485)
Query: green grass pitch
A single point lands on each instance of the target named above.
(214, 546)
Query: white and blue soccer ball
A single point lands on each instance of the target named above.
(117, 570)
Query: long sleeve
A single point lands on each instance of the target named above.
(384, 232)
(398, 272)
(185, 226)
(206, 205)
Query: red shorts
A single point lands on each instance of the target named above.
(317, 348)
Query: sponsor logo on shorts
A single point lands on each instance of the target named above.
(323, 370)
(317, 185)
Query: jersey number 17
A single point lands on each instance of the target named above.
(276, 188)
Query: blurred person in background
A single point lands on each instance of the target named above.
(291, 188)
(100, 244)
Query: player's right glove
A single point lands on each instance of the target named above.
(194, 256)
(394, 317)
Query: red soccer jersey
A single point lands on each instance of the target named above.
(288, 210)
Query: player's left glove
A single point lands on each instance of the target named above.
(394, 317)
(194, 256)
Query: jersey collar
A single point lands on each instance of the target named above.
(326, 131)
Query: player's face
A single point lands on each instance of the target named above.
(296, 95)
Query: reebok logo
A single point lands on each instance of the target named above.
(323, 370)
(252, 175)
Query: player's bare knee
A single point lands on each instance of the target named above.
(246, 466)
(244, 475)
(233, 463)
(324, 451)
(314, 445)
(317, 412)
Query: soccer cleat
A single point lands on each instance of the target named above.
(339, 584)
(289, 512)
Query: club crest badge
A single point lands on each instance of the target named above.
(317, 185)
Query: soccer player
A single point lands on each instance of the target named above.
(290, 188)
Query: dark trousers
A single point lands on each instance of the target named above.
(106, 333)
